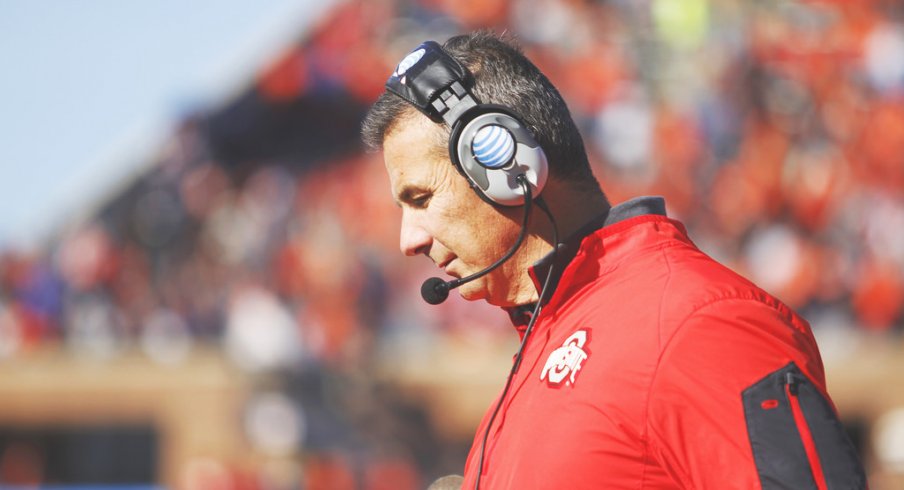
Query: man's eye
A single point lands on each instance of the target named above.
(421, 201)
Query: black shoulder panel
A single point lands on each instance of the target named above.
(778, 451)
(778, 442)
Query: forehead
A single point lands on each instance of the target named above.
(414, 148)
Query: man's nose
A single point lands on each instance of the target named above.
(414, 238)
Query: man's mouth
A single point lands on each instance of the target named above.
(445, 267)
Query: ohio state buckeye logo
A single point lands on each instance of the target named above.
(564, 363)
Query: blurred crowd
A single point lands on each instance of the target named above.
(774, 129)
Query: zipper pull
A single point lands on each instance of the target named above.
(791, 381)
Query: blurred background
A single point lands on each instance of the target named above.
(200, 282)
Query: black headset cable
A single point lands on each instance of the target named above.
(528, 198)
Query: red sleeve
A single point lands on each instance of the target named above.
(708, 392)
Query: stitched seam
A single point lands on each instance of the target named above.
(702, 306)
(647, 428)
(645, 435)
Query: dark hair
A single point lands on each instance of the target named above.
(503, 75)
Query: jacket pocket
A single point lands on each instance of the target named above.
(797, 440)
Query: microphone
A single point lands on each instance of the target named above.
(435, 290)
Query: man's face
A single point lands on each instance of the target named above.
(443, 218)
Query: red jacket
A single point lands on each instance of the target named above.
(654, 367)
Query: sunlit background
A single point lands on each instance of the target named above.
(200, 282)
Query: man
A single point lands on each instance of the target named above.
(644, 363)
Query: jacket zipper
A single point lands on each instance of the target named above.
(791, 391)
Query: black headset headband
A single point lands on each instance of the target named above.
(435, 83)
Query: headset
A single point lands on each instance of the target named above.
(488, 143)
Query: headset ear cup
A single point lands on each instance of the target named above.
(491, 147)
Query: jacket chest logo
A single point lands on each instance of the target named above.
(564, 363)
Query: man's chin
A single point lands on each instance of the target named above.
(478, 290)
(472, 292)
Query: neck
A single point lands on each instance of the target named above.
(571, 209)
